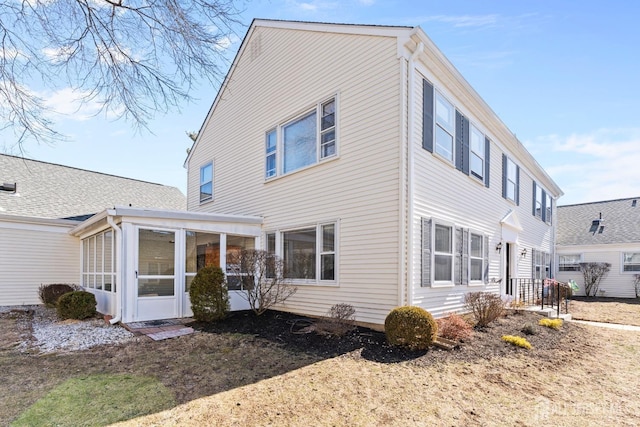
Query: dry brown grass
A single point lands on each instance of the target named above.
(625, 311)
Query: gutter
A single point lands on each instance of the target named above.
(119, 282)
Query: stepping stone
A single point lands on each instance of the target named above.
(163, 335)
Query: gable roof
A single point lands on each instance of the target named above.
(597, 223)
(48, 190)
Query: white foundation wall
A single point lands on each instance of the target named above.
(32, 255)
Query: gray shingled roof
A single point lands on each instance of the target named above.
(47, 190)
(620, 222)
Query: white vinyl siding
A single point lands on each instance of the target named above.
(367, 244)
(33, 255)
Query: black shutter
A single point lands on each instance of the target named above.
(465, 146)
(533, 209)
(487, 163)
(426, 252)
(427, 116)
(518, 185)
(544, 206)
(459, 153)
(485, 276)
(504, 176)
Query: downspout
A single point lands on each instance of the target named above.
(119, 281)
(410, 170)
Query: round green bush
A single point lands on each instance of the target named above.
(209, 295)
(76, 305)
(412, 327)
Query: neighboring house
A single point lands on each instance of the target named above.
(381, 176)
(607, 231)
(40, 203)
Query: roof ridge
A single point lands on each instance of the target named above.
(86, 170)
(600, 202)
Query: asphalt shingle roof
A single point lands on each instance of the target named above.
(620, 222)
(47, 190)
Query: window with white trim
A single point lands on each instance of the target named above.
(98, 262)
(308, 254)
(206, 182)
(631, 261)
(445, 127)
(476, 257)
(303, 141)
(510, 180)
(549, 209)
(570, 262)
(477, 153)
(538, 208)
(540, 264)
(443, 253)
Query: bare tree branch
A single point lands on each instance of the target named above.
(134, 57)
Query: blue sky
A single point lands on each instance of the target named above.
(562, 75)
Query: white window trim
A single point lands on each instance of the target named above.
(561, 264)
(279, 129)
(200, 183)
(442, 283)
(622, 264)
(482, 250)
(318, 262)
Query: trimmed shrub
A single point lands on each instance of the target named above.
(517, 341)
(454, 327)
(209, 295)
(49, 294)
(486, 307)
(551, 323)
(340, 320)
(76, 305)
(411, 327)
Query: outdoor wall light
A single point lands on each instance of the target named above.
(523, 253)
(499, 247)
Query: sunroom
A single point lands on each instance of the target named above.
(139, 263)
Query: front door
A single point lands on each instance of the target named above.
(508, 282)
(156, 295)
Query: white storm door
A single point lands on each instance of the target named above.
(156, 293)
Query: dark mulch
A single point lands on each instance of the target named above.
(288, 330)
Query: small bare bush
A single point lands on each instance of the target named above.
(340, 320)
(593, 272)
(49, 294)
(454, 327)
(636, 284)
(486, 307)
(517, 306)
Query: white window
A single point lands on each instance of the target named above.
(98, 262)
(476, 257)
(443, 253)
(303, 141)
(569, 262)
(549, 208)
(206, 182)
(445, 125)
(308, 254)
(271, 145)
(511, 180)
(477, 153)
(538, 201)
(631, 261)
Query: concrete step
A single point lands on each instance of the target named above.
(553, 313)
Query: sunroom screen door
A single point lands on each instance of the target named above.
(155, 275)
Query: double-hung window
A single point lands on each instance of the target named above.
(303, 141)
(510, 180)
(206, 182)
(631, 261)
(308, 254)
(477, 153)
(538, 208)
(569, 262)
(445, 127)
(443, 253)
(476, 257)
(549, 208)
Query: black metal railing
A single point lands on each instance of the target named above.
(542, 292)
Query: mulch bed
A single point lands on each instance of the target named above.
(288, 330)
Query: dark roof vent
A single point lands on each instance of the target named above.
(11, 188)
(601, 229)
(633, 203)
(594, 226)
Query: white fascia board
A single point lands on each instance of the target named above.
(605, 247)
(124, 211)
(67, 223)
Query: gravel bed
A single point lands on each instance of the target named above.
(49, 335)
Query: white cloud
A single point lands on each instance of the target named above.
(70, 103)
(601, 165)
